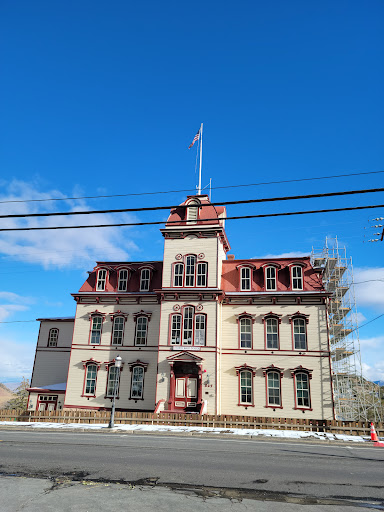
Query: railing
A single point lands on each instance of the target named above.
(192, 420)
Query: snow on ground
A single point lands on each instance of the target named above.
(292, 434)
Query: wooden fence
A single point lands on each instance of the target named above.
(192, 420)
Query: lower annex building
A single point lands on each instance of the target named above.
(197, 332)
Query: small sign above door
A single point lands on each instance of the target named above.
(186, 347)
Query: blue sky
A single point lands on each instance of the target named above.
(104, 98)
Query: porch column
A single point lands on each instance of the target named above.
(171, 387)
(200, 387)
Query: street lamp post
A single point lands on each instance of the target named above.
(118, 360)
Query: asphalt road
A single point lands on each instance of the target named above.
(229, 467)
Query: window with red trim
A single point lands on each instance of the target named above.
(303, 398)
(53, 336)
(123, 280)
(90, 379)
(273, 388)
(145, 278)
(271, 333)
(178, 274)
(118, 330)
(246, 387)
(141, 331)
(299, 333)
(96, 329)
(190, 268)
(101, 279)
(245, 278)
(270, 278)
(113, 380)
(137, 382)
(188, 327)
(245, 326)
(297, 278)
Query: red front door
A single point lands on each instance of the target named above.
(185, 391)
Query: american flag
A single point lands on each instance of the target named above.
(195, 138)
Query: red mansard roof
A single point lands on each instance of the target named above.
(179, 215)
(134, 268)
(230, 279)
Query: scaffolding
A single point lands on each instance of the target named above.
(355, 397)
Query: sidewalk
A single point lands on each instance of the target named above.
(260, 434)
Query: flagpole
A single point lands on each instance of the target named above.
(201, 156)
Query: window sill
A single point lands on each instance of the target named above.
(88, 396)
(303, 408)
(132, 398)
(246, 405)
(273, 406)
(111, 397)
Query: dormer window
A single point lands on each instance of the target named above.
(245, 280)
(193, 211)
(297, 277)
(270, 278)
(123, 280)
(145, 277)
(101, 279)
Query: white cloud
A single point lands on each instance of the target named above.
(16, 360)
(375, 372)
(369, 287)
(374, 342)
(292, 254)
(11, 303)
(360, 318)
(59, 248)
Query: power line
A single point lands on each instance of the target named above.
(173, 207)
(260, 216)
(189, 189)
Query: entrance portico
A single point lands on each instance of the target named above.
(185, 388)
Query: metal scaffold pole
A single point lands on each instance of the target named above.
(355, 397)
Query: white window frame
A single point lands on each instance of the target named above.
(246, 386)
(188, 328)
(176, 322)
(193, 212)
(201, 273)
(301, 324)
(90, 389)
(123, 281)
(137, 383)
(141, 332)
(190, 270)
(121, 321)
(271, 386)
(96, 332)
(145, 278)
(303, 391)
(200, 329)
(297, 277)
(270, 278)
(245, 279)
(178, 274)
(188, 318)
(246, 328)
(113, 372)
(269, 323)
(102, 275)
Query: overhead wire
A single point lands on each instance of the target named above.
(132, 194)
(173, 207)
(153, 223)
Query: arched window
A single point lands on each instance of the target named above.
(178, 273)
(101, 279)
(272, 333)
(190, 267)
(297, 278)
(246, 393)
(141, 331)
(96, 329)
(90, 378)
(301, 377)
(145, 279)
(118, 330)
(138, 370)
(123, 280)
(299, 323)
(188, 327)
(245, 324)
(193, 211)
(270, 278)
(53, 337)
(273, 389)
(245, 278)
(113, 380)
